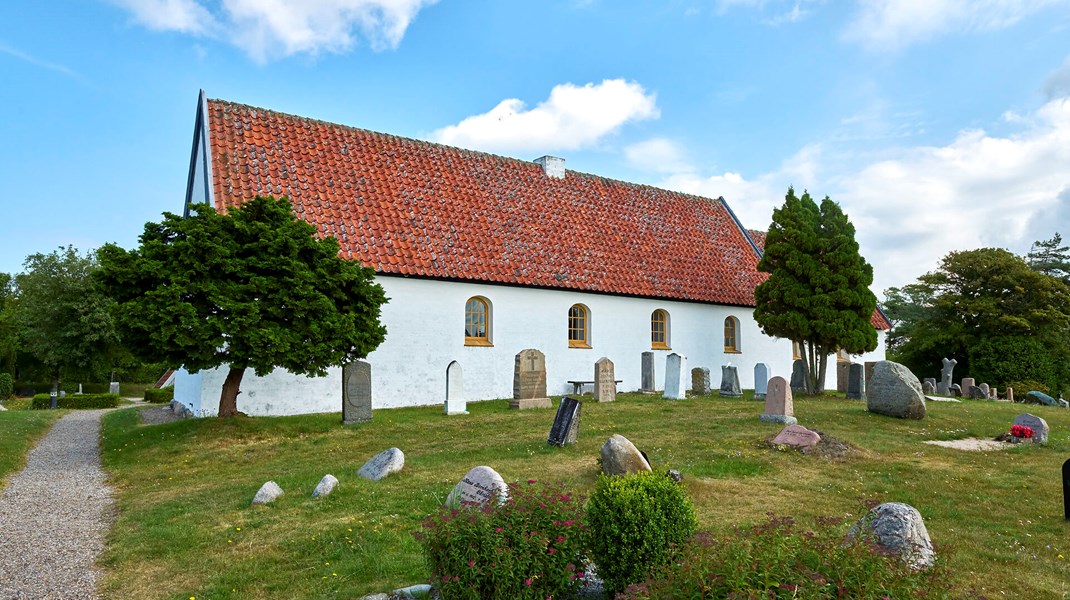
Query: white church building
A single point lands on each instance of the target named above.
(483, 256)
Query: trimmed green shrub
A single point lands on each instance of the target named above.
(636, 521)
(43, 401)
(776, 560)
(69, 387)
(166, 394)
(7, 386)
(532, 546)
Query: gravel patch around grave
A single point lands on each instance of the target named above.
(970, 444)
(54, 515)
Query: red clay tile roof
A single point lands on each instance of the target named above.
(415, 208)
(878, 320)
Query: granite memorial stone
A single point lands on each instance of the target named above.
(325, 486)
(267, 493)
(620, 457)
(566, 424)
(967, 383)
(700, 381)
(675, 386)
(895, 392)
(899, 529)
(797, 436)
(843, 371)
(456, 403)
(646, 381)
(605, 380)
(761, 381)
(730, 382)
(944, 387)
(856, 382)
(779, 407)
(798, 376)
(386, 462)
(1038, 425)
(478, 486)
(356, 392)
(529, 381)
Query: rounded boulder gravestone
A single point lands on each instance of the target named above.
(620, 457)
(895, 392)
(900, 529)
(478, 486)
(386, 462)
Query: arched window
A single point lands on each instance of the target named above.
(477, 322)
(579, 323)
(731, 334)
(659, 330)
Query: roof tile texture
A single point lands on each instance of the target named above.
(408, 207)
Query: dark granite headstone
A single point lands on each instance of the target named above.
(356, 392)
(798, 377)
(646, 383)
(567, 422)
(761, 381)
(1066, 489)
(856, 382)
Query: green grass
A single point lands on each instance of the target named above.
(186, 529)
(20, 428)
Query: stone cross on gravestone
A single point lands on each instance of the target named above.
(944, 387)
(605, 382)
(455, 400)
(529, 380)
(356, 392)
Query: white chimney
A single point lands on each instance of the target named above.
(552, 166)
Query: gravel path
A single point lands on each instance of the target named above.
(55, 513)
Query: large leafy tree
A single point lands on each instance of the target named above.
(817, 293)
(250, 289)
(63, 321)
(1001, 319)
(8, 330)
(1050, 257)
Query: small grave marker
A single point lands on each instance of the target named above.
(675, 367)
(647, 380)
(730, 382)
(843, 371)
(700, 381)
(529, 381)
(761, 381)
(856, 382)
(605, 383)
(1066, 489)
(456, 404)
(779, 407)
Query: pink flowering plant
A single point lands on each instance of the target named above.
(532, 546)
(1024, 432)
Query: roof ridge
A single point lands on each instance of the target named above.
(466, 150)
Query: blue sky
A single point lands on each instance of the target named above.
(939, 125)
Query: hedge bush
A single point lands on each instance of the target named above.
(531, 547)
(636, 522)
(166, 394)
(43, 401)
(7, 386)
(777, 560)
(37, 387)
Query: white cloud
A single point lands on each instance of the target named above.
(267, 29)
(782, 11)
(658, 155)
(572, 117)
(913, 207)
(1058, 83)
(893, 24)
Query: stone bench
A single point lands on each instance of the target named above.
(578, 385)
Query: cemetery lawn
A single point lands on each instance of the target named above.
(19, 431)
(185, 528)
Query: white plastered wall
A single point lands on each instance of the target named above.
(425, 332)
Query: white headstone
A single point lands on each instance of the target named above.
(478, 486)
(675, 385)
(456, 404)
(761, 381)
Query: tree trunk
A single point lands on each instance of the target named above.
(228, 400)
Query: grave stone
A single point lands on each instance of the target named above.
(797, 436)
(761, 381)
(79, 389)
(870, 364)
(779, 407)
(379, 466)
(620, 457)
(843, 371)
(895, 392)
(478, 486)
(675, 367)
(605, 381)
(944, 387)
(929, 380)
(456, 403)
(529, 381)
(798, 377)
(566, 424)
(1066, 489)
(325, 486)
(993, 393)
(646, 382)
(1035, 397)
(899, 529)
(268, 493)
(955, 390)
(856, 382)
(730, 382)
(986, 390)
(928, 387)
(700, 381)
(967, 383)
(1010, 394)
(1039, 426)
(356, 392)
(113, 387)
(976, 393)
